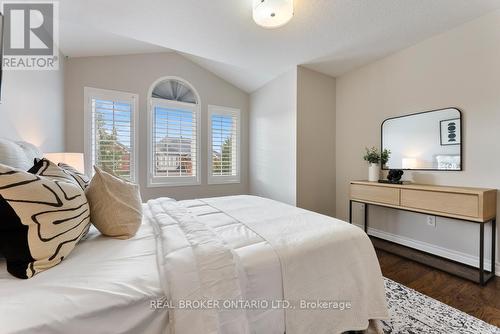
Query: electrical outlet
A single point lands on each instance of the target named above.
(431, 221)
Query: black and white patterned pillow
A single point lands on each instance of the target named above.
(82, 179)
(67, 173)
(61, 172)
(43, 218)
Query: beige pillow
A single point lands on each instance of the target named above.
(115, 205)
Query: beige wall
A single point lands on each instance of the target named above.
(315, 141)
(273, 124)
(32, 107)
(292, 140)
(135, 74)
(458, 68)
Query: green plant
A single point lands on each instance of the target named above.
(384, 156)
(374, 157)
(223, 165)
(110, 154)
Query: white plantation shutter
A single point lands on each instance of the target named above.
(175, 143)
(110, 129)
(224, 145)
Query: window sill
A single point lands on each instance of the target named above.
(177, 183)
(223, 180)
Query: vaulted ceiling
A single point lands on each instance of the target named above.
(330, 36)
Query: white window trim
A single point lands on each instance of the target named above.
(106, 94)
(218, 179)
(177, 181)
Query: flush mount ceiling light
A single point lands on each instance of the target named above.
(272, 13)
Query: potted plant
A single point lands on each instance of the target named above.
(374, 159)
(384, 157)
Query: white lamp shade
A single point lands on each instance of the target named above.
(409, 163)
(272, 13)
(75, 160)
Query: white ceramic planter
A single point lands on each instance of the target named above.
(373, 172)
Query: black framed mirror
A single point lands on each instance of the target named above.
(429, 140)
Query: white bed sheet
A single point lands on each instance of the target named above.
(104, 286)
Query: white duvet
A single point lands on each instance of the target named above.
(228, 250)
(316, 274)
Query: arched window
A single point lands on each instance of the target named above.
(174, 129)
(174, 90)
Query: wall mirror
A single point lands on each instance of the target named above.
(430, 140)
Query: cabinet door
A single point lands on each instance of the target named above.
(445, 202)
(385, 195)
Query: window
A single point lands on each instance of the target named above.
(110, 132)
(174, 134)
(224, 145)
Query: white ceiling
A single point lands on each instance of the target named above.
(84, 41)
(330, 36)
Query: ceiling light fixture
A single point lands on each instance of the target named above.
(272, 13)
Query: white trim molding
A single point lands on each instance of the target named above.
(105, 94)
(172, 181)
(454, 255)
(224, 179)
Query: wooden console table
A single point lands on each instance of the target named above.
(475, 205)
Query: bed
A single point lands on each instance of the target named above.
(237, 264)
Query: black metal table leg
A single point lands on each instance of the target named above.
(493, 241)
(366, 218)
(481, 253)
(350, 211)
(484, 276)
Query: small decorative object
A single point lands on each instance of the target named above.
(450, 132)
(395, 175)
(374, 159)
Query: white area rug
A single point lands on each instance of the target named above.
(414, 313)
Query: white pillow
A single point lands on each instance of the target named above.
(18, 155)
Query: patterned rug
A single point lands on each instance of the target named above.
(414, 313)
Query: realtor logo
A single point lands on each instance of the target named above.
(30, 35)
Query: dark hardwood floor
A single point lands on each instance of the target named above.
(480, 302)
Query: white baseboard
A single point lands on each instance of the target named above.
(464, 258)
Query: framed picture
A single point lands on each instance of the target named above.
(450, 132)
